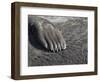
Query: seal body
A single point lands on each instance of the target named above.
(48, 36)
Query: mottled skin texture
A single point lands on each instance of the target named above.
(48, 36)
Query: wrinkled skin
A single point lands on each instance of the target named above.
(49, 37)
